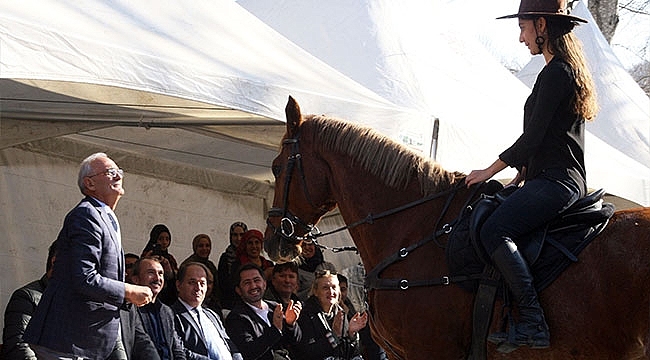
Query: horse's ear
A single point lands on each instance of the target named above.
(294, 117)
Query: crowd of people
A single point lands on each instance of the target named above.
(95, 302)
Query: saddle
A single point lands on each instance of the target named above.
(548, 250)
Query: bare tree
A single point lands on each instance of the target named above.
(605, 12)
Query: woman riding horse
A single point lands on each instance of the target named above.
(549, 157)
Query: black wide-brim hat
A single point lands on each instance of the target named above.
(556, 8)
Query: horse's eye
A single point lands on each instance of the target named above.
(276, 170)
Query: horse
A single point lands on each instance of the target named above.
(598, 308)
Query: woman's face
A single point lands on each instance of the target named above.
(236, 234)
(308, 250)
(327, 291)
(253, 248)
(203, 248)
(528, 34)
(164, 239)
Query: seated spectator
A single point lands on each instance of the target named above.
(129, 261)
(157, 318)
(369, 349)
(326, 331)
(284, 284)
(200, 329)
(261, 329)
(250, 251)
(227, 258)
(158, 245)
(311, 261)
(19, 311)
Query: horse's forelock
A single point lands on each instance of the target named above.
(392, 162)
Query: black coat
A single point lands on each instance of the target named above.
(318, 340)
(174, 343)
(137, 344)
(254, 337)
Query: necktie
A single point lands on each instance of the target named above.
(217, 348)
(113, 221)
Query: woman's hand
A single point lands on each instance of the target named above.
(477, 176)
(357, 323)
(337, 323)
(521, 176)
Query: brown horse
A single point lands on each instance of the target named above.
(597, 309)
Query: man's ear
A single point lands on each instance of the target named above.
(89, 183)
(238, 290)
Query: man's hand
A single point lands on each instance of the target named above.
(137, 295)
(293, 312)
(278, 317)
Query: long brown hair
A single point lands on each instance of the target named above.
(565, 44)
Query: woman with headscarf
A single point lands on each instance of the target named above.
(250, 251)
(227, 258)
(311, 260)
(158, 246)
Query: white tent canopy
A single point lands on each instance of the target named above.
(423, 54)
(75, 66)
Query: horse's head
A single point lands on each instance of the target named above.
(302, 193)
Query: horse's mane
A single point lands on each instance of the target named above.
(394, 163)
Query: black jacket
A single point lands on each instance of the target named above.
(20, 308)
(254, 337)
(174, 343)
(137, 344)
(318, 341)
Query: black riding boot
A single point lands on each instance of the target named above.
(531, 329)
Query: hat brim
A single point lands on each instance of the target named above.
(568, 17)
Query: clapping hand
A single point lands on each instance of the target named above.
(357, 323)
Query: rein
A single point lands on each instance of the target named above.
(373, 281)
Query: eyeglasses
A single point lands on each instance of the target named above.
(112, 173)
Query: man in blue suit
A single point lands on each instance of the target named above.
(78, 316)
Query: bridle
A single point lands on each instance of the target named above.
(289, 222)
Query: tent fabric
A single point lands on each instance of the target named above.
(417, 54)
(213, 52)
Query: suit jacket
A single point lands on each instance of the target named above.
(79, 311)
(254, 336)
(137, 344)
(174, 343)
(189, 331)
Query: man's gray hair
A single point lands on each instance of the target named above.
(86, 169)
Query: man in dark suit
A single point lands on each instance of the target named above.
(259, 327)
(79, 314)
(203, 334)
(157, 318)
